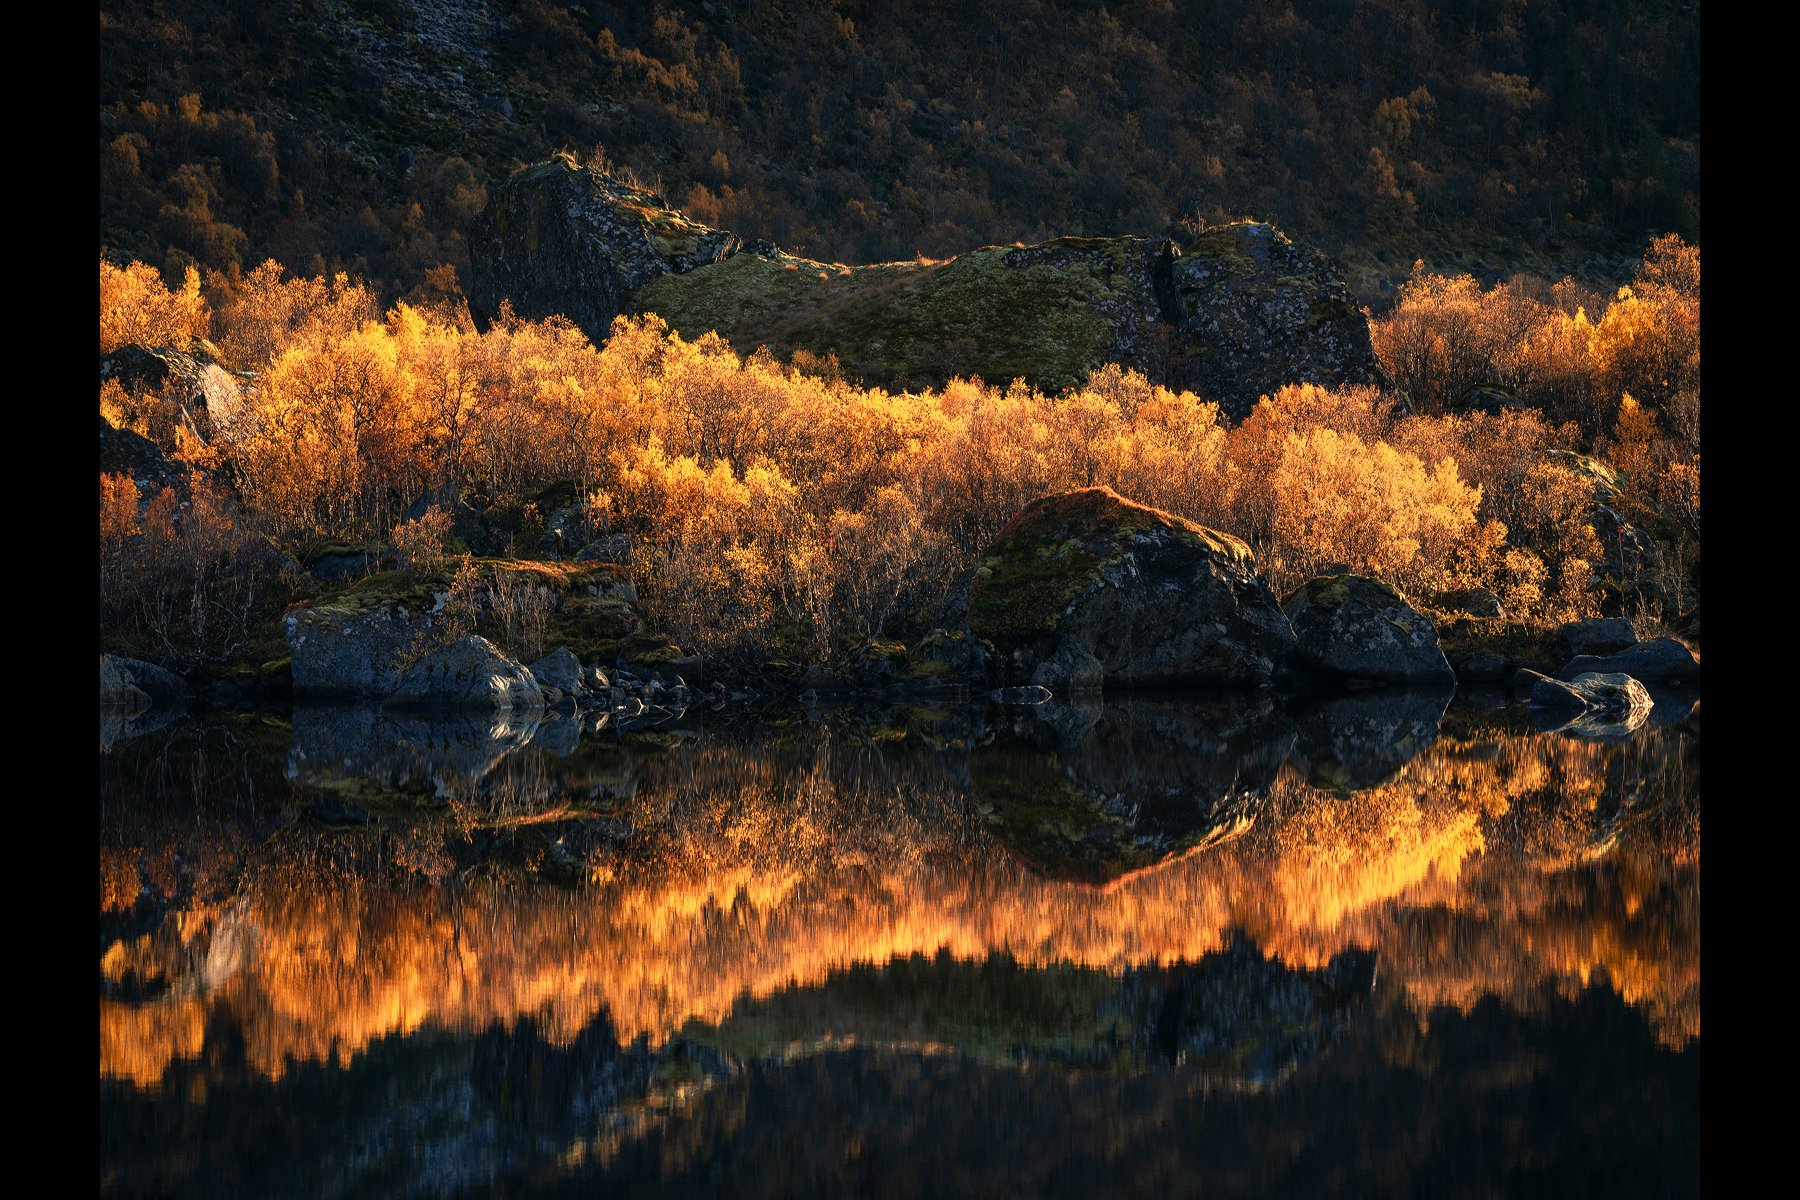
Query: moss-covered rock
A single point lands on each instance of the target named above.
(1155, 599)
(355, 640)
(1356, 628)
(1235, 313)
(1255, 311)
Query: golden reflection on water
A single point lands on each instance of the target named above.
(1481, 870)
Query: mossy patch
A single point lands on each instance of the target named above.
(1000, 313)
(1057, 547)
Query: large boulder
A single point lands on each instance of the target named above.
(1356, 628)
(1592, 691)
(351, 646)
(1257, 310)
(469, 673)
(1153, 599)
(1660, 660)
(133, 686)
(1596, 636)
(560, 239)
(1233, 311)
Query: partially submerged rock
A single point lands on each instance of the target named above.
(1357, 628)
(132, 686)
(468, 673)
(1155, 600)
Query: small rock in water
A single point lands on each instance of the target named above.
(1030, 694)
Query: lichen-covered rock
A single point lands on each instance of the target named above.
(132, 686)
(1354, 627)
(1235, 312)
(469, 673)
(1257, 311)
(1660, 660)
(1634, 562)
(1154, 599)
(557, 238)
(1597, 636)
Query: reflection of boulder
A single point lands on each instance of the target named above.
(1361, 740)
(371, 756)
(1093, 794)
(1354, 627)
(1240, 1014)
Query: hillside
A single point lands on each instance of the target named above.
(1550, 138)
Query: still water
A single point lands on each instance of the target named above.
(1385, 946)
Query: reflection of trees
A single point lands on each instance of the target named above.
(740, 869)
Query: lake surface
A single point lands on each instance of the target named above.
(1389, 945)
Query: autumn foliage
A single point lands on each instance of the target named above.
(769, 507)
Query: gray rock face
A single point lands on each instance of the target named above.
(131, 686)
(561, 239)
(1598, 636)
(1660, 660)
(123, 452)
(471, 673)
(343, 654)
(1155, 600)
(1071, 669)
(208, 398)
(1257, 311)
(1358, 628)
(561, 670)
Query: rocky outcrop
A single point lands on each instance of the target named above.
(1356, 628)
(1255, 311)
(557, 238)
(354, 642)
(469, 673)
(1233, 312)
(123, 452)
(1153, 599)
(205, 395)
